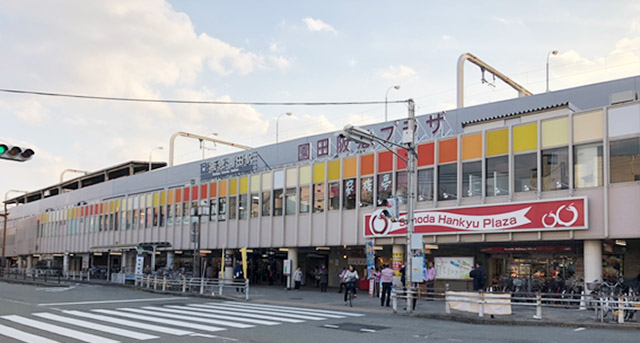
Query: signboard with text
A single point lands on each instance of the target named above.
(547, 215)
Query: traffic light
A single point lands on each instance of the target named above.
(15, 153)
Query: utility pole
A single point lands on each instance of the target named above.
(409, 139)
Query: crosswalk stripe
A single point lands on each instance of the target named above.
(23, 336)
(212, 309)
(278, 310)
(201, 320)
(189, 311)
(349, 314)
(288, 315)
(162, 320)
(59, 330)
(144, 326)
(98, 327)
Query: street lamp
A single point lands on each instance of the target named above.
(151, 152)
(277, 122)
(385, 100)
(554, 52)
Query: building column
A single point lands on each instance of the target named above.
(29, 262)
(85, 261)
(20, 263)
(397, 261)
(171, 256)
(228, 264)
(592, 261)
(65, 264)
(292, 254)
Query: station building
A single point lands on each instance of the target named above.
(541, 186)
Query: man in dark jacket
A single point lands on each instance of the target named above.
(479, 277)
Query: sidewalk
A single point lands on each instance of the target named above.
(522, 315)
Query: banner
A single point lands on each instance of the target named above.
(139, 264)
(497, 304)
(222, 260)
(453, 268)
(396, 262)
(547, 215)
(243, 252)
(371, 258)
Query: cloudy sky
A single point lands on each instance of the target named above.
(273, 51)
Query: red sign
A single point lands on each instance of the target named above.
(557, 214)
(526, 249)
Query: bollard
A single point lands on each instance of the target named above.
(394, 301)
(164, 283)
(447, 306)
(221, 285)
(246, 290)
(481, 304)
(409, 300)
(201, 285)
(155, 282)
(583, 302)
(538, 306)
(620, 310)
(184, 285)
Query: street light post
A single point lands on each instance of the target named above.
(278, 121)
(386, 96)
(554, 52)
(151, 152)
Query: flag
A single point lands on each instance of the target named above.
(243, 252)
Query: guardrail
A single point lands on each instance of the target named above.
(618, 308)
(195, 285)
(44, 275)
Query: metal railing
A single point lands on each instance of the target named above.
(44, 275)
(194, 285)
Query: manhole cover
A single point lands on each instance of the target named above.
(354, 327)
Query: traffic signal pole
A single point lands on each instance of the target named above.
(409, 139)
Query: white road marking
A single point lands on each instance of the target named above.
(59, 330)
(110, 301)
(265, 311)
(253, 305)
(212, 309)
(189, 311)
(367, 330)
(579, 329)
(331, 326)
(97, 327)
(279, 310)
(55, 289)
(23, 336)
(132, 324)
(161, 320)
(188, 318)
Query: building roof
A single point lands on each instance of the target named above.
(518, 113)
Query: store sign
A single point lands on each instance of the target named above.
(526, 249)
(550, 215)
(229, 166)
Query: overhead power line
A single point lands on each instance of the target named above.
(196, 102)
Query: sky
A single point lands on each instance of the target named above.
(272, 51)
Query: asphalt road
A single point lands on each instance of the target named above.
(71, 314)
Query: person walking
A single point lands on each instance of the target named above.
(430, 277)
(479, 277)
(350, 278)
(386, 278)
(341, 276)
(238, 276)
(297, 278)
(376, 284)
(324, 278)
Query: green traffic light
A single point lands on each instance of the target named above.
(3, 149)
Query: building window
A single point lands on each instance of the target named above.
(161, 213)
(525, 168)
(290, 201)
(384, 188)
(401, 186)
(255, 205)
(472, 179)
(334, 196)
(185, 213)
(497, 182)
(305, 199)
(318, 197)
(242, 206)
(447, 182)
(587, 165)
(266, 203)
(143, 219)
(625, 160)
(222, 209)
(233, 208)
(555, 171)
(425, 184)
(130, 218)
(155, 217)
(366, 191)
(277, 202)
(349, 194)
(213, 209)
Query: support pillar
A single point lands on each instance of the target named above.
(592, 261)
(171, 256)
(153, 259)
(20, 262)
(29, 262)
(65, 264)
(292, 254)
(228, 264)
(397, 259)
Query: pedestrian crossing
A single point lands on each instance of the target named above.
(146, 323)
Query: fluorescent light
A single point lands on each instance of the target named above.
(249, 250)
(95, 254)
(621, 242)
(178, 252)
(115, 253)
(377, 247)
(205, 251)
(431, 246)
(323, 248)
(283, 249)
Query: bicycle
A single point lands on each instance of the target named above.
(349, 292)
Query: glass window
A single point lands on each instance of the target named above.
(525, 168)
(222, 209)
(472, 179)
(401, 186)
(625, 160)
(290, 201)
(185, 213)
(129, 219)
(305, 199)
(143, 216)
(555, 171)
(334, 195)
(384, 188)
(156, 214)
(242, 206)
(178, 210)
(204, 208)
(255, 205)
(266, 203)
(366, 191)
(161, 222)
(497, 176)
(447, 182)
(213, 209)
(277, 202)
(233, 208)
(349, 194)
(587, 165)
(318, 197)
(425, 184)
